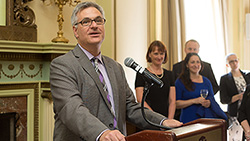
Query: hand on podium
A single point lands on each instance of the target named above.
(112, 135)
(171, 123)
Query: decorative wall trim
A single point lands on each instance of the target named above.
(28, 51)
(46, 93)
(20, 22)
(27, 57)
(21, 71)
(30, 47)
(23, 15)
(47, 115)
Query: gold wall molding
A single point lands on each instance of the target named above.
(45, 91)
(23, 15)
(21, 71)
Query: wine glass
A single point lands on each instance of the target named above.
(204, 93)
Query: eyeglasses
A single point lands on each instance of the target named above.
(88, 21)
(232, 61)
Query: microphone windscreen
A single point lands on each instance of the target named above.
(128, 62)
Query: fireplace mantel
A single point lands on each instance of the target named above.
(30, 51)
(25, 88)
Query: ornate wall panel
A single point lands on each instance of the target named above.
(10, 70)
(20, 22)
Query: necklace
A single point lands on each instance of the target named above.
(156, 73)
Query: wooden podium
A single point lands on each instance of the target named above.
(197, 130)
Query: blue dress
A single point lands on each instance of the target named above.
(197, 111)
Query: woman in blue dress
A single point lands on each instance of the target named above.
(188, 92)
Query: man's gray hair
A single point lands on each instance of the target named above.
(228, 55)
(83, 6)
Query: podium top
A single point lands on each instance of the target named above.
(198, 127)
(209, 129)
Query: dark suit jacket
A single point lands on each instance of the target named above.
(227, 90)
(207, 72)
(81, 109)
(244, 112)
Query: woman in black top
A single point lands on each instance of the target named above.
(232, 87)
(161, 100)
(244, 113)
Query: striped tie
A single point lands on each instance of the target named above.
(100, 76)
(104, 84)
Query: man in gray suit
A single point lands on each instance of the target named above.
(85, 106)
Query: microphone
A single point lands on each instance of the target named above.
(129, 62)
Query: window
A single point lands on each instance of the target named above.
(204, 24)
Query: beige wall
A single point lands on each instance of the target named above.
(46, 21)
(108, 45)
(131, 34)
(237, 31)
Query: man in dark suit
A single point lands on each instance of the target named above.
(92, 99)
(192, 46)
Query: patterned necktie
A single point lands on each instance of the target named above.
(104, 85)
(100, 77)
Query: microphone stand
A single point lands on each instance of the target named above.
(145, 93)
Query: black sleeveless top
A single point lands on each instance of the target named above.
(158, 98)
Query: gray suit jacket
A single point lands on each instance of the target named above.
(81, 109)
